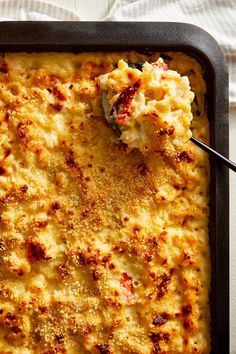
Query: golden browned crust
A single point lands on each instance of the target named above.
(102, 250)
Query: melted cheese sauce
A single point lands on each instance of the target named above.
(151, 107)
(102, 250)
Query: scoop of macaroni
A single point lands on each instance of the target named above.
(150, 109)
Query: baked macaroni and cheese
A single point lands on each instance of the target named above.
(103, 248)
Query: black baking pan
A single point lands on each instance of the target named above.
(107, 36)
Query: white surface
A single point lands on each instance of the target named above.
(88, 10)
(98, 9)
(34, 10)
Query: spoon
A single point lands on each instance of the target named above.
(230, 164)
(109, 117)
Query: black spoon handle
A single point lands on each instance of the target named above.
(209, 150)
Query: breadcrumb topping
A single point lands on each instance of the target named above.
(103, 249)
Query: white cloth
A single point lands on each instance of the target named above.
(34, 10)
(218, 17)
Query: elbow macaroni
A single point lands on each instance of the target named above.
(151, 108)
(102, 249)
